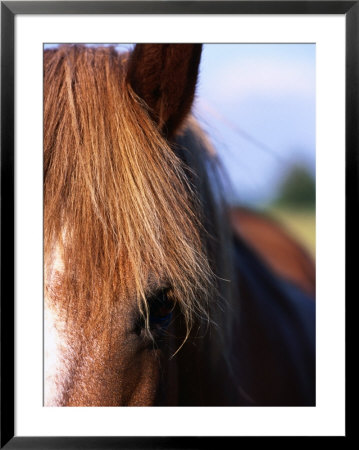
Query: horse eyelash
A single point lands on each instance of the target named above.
(161, 321)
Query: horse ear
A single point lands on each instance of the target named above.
(165, 76)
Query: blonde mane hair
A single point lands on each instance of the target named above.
(118, 206)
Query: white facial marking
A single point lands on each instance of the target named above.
(56, 353)
(54, 374)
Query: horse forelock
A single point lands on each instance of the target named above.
(120, 214)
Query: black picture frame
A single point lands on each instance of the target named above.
(9, 10)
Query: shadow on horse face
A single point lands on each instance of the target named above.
(133, 236)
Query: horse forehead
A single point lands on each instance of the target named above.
(55, 269)
(55, 263)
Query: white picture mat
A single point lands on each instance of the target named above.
(327, 418)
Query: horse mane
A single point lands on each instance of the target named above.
(197, 151)
(120, 210)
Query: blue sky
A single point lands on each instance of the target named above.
(257, 104)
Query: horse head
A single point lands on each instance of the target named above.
(124, 247)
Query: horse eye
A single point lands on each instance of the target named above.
(160, 307)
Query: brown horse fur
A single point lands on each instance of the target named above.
(118, 206)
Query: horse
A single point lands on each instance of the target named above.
(154, 292)
(265, 234)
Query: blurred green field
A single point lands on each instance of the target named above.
(299, 222)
